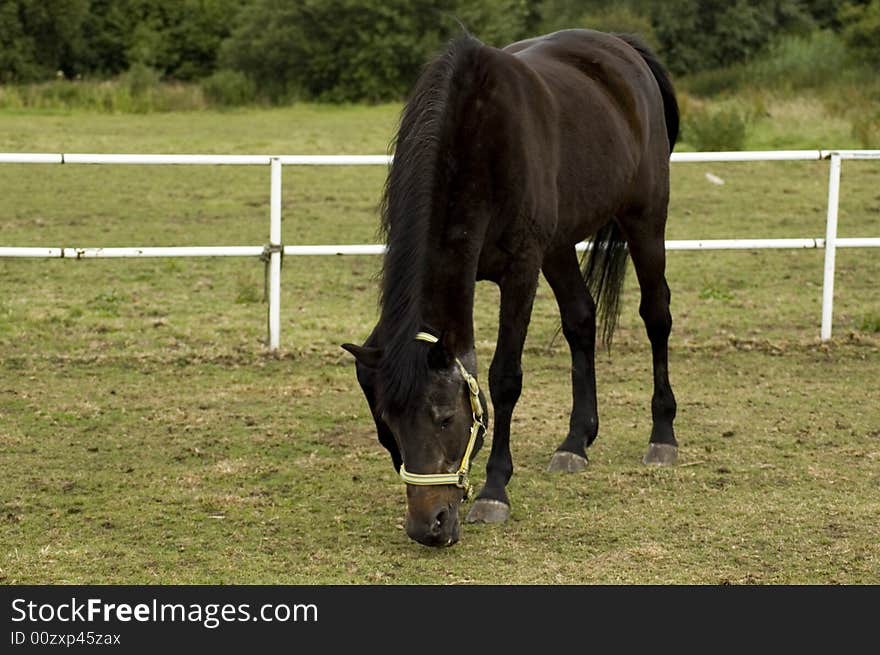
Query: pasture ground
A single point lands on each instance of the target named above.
(147, 437)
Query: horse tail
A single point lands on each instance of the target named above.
(604, 273)
(667, 92)
(605, 266)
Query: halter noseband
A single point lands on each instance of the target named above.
(460, 477)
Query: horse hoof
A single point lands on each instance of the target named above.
(486, 510)
(564, 461)
(663, 454)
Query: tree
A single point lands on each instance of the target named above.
(16, 46)
(861, 31)
(40, 37)
(106, 32)
(562, 14)
(700, 34)
(196, 37)
(336, 50)
(179, 38)
(499, 22)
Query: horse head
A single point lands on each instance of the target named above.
(432, 431)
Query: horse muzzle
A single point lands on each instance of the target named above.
(432, 516)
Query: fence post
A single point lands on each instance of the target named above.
(275, 255)
(830, 246)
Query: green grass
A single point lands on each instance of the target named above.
(146, 435)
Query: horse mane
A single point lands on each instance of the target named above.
(412, 195)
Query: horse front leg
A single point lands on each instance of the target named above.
(505, 384)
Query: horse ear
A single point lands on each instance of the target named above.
(439, 357)
(369, 357)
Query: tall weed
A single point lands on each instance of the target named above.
(866, 129)
(138, 91)
(793, 63)
(710, 129)
(797, 62)
(229, 88)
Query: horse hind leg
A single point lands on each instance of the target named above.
(648, 251)
(578, 313)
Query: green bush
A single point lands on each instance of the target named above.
(862, 30)
(179, 38)
(715, 81)
(800, 61)
(621, 19)
(228, 88)
(335, 50)
(141, 80)
(718, 129)
(358, 50)
(791, 63)
(696, 35)
(499, 22)
(139, 90)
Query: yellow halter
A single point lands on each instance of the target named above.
(460, 477)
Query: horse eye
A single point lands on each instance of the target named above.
(445, 423)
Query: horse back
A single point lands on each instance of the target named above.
(609, 112)
(595, 76)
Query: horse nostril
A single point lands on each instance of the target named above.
(439, 521)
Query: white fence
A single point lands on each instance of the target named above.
(273, 251)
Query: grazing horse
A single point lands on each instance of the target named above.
(504, 160)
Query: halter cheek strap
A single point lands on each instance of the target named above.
(460, 477)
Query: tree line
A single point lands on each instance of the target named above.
(372, 50)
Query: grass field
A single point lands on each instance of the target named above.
(146, 436)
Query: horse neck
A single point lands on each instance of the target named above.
(432, 292)
(448, 303)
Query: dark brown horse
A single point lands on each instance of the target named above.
(504, 160)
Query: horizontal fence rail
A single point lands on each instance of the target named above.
(372, 160)
(272, 252)
(379, 249)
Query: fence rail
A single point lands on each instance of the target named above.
(273, 251)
